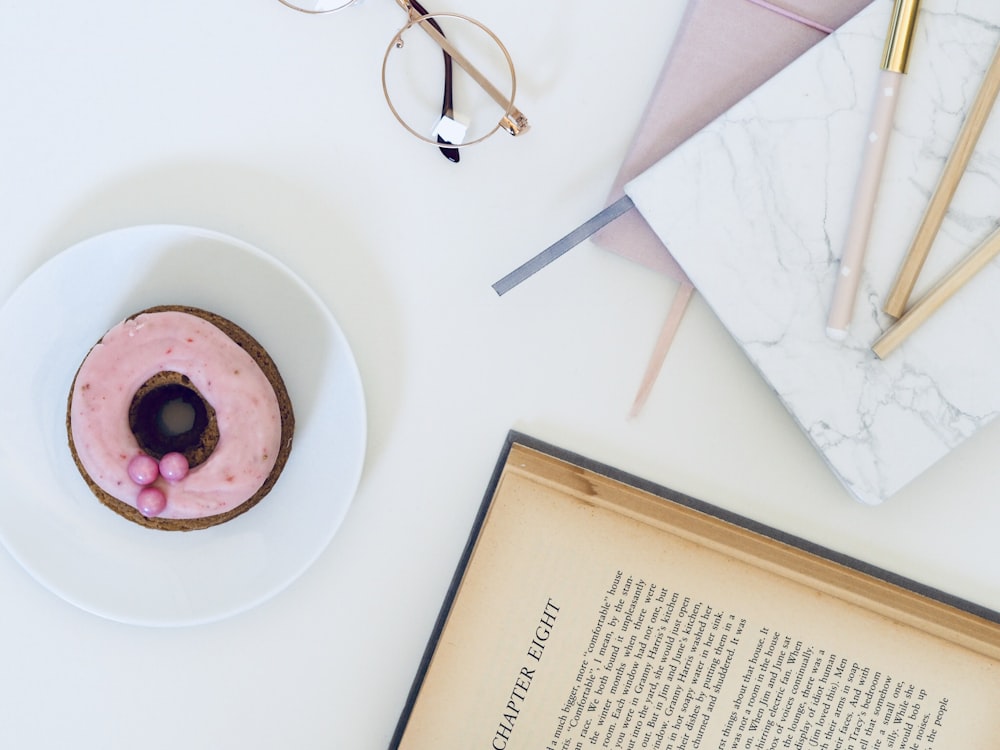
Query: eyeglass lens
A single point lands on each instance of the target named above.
(414, 78)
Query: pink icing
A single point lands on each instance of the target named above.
(246, 410)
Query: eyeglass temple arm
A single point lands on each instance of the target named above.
(514, 120)
(448, 101)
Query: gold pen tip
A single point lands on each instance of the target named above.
(899, 39)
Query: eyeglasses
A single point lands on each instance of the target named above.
(411, 77)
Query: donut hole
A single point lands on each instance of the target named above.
(169, 415)
(177, 416)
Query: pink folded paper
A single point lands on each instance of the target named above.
(723, 50)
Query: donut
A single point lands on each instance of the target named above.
(178, 419)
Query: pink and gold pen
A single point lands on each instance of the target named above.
(894, 60)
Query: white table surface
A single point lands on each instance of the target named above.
(244, 117)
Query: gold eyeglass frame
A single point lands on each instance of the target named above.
(513, 120)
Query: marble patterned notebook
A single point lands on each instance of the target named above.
(755, 209)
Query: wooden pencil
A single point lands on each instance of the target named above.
(973, 263)
(954, 168)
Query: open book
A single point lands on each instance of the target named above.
(594, 610)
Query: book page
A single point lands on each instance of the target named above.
(579, 627)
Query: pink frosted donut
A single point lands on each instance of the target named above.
(235, 427)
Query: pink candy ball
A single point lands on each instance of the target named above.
(174, 467)
(143, 469)
(151, 501)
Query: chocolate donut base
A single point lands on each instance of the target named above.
(252, 347)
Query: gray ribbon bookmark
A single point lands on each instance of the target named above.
(567, 243)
